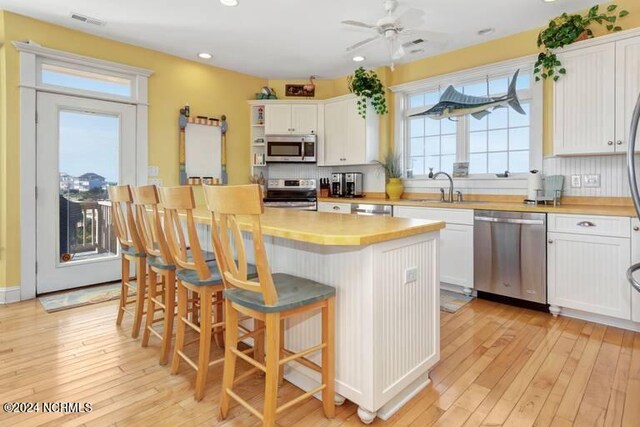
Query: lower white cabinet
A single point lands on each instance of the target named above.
(587, 272)
(340, 208)
(456, 241)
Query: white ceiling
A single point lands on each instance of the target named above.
(287, 38)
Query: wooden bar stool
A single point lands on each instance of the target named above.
(194, 274)
(271, 300)
(160, 263)
(132, 250)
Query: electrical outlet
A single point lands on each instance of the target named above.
(410, 275)
(576, 181)
(591, 180)
(153, 171)
(156, 181)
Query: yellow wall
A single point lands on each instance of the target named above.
(208, 90)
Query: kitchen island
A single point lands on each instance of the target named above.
(386, 275)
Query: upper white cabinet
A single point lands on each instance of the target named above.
(595, 99)
(295, 119)
(348, 138)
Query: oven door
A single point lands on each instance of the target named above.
(295, 205)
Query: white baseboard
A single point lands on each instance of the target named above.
(599, 318)
(454, 288)
(9, 295)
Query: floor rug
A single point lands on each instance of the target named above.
(452, 301)
(81, 297)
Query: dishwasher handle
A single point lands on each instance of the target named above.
(510, 220)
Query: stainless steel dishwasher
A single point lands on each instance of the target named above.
(510, 255)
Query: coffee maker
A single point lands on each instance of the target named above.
(337, 185)
(353, 184)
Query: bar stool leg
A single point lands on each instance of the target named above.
(205, 343)
(218, 316)
(258, 342)
(124, 290)
(151, 306)
(169, 315)
(231, 342)
(140, 295)
(271, 380)
(281, 352)
(182, 314)
(328, 358)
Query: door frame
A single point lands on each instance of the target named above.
(31, 55)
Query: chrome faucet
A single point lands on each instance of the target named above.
(437, 174)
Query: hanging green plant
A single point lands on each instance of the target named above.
(367, 87)
(567, 29)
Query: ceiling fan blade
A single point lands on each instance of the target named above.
(358, 24)
(411, 18)
(362, 43)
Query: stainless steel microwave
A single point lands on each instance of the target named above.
(291, 149)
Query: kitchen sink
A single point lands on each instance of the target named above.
(441, 202)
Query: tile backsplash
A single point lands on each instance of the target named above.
(373, 175)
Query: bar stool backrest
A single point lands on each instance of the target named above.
(146, 201)
(226, 203)
(123, 219)
(180, 201)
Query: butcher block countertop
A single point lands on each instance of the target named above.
(573, 205)
(331, 229)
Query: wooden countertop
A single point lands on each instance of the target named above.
(331, 229)
(585, 209)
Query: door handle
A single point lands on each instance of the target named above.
(636, 228)
(619, 142)
(586, 224)
(336, 208)
(550, 241)
(609, 142)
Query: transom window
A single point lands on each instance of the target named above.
(500, 141)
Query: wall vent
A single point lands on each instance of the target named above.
(87, 19)
(413, 43)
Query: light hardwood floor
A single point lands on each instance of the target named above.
(500, 365)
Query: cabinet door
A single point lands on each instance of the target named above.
(456, 241)
(340, 208)
(584, 108)
(304, 119)
(355, 148)
(627, 89)
(335, 132)
(588, 273)
(277, 120)
(635, 257)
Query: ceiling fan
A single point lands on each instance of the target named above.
(396, 29)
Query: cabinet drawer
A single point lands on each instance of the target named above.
(341, 208)
(614, 226)
(450, 216)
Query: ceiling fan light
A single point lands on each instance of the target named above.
(359, 58)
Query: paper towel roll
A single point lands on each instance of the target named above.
(535, 183)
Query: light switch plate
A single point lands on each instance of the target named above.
(591, 180)
(153, 170)
(410, 275)
(576, 181)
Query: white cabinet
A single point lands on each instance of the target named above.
(635, 258)
(586, 271)
(295, 119)
(348, 138)
(594, 101)
(456, 241)
(340, 208)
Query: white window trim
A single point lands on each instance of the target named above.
(460, 77)
(31, 56)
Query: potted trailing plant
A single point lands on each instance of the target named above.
(567, 29)
(393, 172)
(369, 89)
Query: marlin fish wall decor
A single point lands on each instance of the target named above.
(455, 104)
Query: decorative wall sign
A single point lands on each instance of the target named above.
(206, 154)
(299, 90)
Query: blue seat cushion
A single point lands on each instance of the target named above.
(191, 276)
(157, 262)
(292, 292)
(131, 251)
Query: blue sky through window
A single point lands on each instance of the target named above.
(58, 78)
(89, 143)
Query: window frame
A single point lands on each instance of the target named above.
(460, 78)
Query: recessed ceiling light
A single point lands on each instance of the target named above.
(204, 55)
(548, 1)
(230, 3)
(486, 31)
(359, 58)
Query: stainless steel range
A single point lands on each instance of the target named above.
(299, 194)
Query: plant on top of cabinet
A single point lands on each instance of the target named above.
(393, 171)
(367, 87)
(567, 29)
